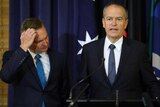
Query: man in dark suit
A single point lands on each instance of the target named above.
(31, 87)
(121, 69)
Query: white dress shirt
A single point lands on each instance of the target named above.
(45, 62)
(117, 52)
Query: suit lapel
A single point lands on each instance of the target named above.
(123, 58)
(51, 59)
(100, 54)
(99, 50)
(33, 69)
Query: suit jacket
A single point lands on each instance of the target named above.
(19, 70)
(134, 74)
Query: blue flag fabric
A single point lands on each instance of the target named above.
(156, 41)
(82, 30)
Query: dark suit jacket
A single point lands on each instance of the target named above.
(19, 70)
(133, 77)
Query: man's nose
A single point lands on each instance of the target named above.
(114, 22)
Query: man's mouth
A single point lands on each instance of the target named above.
(113, 29)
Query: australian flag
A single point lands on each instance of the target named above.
(83, 30)
(156, 41)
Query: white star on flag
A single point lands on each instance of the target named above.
(156, 62)
(87, 40)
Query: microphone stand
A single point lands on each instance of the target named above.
(144, 102)
(81, 81)
(72, 104)
(117, 99)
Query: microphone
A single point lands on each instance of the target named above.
(81, 81)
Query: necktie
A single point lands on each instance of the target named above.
(111, 65)
(40, 72)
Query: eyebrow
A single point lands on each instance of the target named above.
(114, 17)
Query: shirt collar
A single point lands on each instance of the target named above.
(34, 54)
(117, 44)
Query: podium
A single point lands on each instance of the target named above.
(113, 103)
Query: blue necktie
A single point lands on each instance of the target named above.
(111, 65)
(40, 72)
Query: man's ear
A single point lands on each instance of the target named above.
(103, 22)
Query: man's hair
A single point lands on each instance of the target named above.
(31, 23)
(117, 4)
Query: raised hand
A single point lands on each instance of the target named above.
(27, 38)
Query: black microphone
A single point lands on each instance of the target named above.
(81, 81)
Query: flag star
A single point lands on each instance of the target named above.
(158, 78)
(87, 40)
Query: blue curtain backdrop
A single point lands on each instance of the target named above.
(71, 24)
